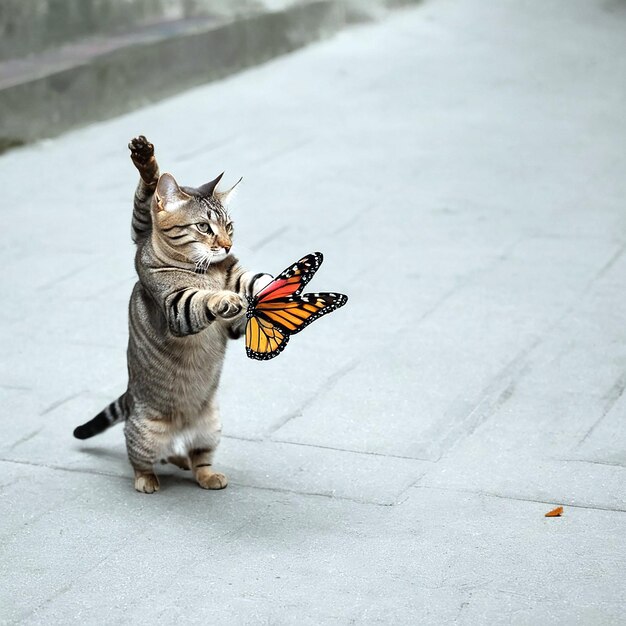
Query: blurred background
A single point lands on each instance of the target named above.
(461, 166)
(68, 62)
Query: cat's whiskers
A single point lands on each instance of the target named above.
(204, 262)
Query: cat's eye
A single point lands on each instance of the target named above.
(229, 228)
(203, 227)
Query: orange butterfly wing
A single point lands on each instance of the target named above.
(279, 310)
(291, 282)
(295, 313)
(263, 340)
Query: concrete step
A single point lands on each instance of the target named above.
(34, 26)
(100, 77)
(42, 95)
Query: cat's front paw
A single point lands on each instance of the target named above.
(208, 479)
(228, 305)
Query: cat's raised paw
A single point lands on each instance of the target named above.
(141, 151)
(146, 483)
(208, 479)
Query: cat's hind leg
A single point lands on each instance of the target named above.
(207, 436)
(180, 461)
(202, 466)
(144, 442)
(146, 481)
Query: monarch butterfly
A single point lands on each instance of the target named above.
(279, 311)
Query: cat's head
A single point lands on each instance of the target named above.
(192, 225)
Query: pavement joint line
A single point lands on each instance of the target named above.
(241, 438)
(502, 398)
(611, 397)
(41, 513)
(61, 402)
(459, 285)
(506, 253)
(490, 494)
(593, 280)
(592, 462)
(491, 398)
(25, 438)
(610, 239)
(68, 586)
(519, 363)
(235, 483)
(362, 452)
(60, 468)
(608, 265)
(317, 494)
(299, 443)
(406, 491)
(324, 388)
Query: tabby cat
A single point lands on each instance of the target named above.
(189, 300)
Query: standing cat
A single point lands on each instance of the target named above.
(189, 300)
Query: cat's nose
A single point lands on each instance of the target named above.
(224, 242)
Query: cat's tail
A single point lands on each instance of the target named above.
(116, 412)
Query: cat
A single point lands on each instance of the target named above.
(189, 300)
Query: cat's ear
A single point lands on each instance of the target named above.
(169, 196)
(208, 189)
(226, 196)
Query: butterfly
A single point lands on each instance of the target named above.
(279, 310)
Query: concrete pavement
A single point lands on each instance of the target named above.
(461, 167)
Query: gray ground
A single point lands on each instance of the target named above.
(462, 168)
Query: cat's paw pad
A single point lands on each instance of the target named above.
(146, 483)
(141, 150)
(211, 480)
(229, 306)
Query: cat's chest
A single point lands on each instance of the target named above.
(204, 347)
(196, 366)
(210, 282)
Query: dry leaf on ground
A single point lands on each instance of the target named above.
(555, 512)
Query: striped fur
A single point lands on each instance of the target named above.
(112, 414)
(189, 300)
